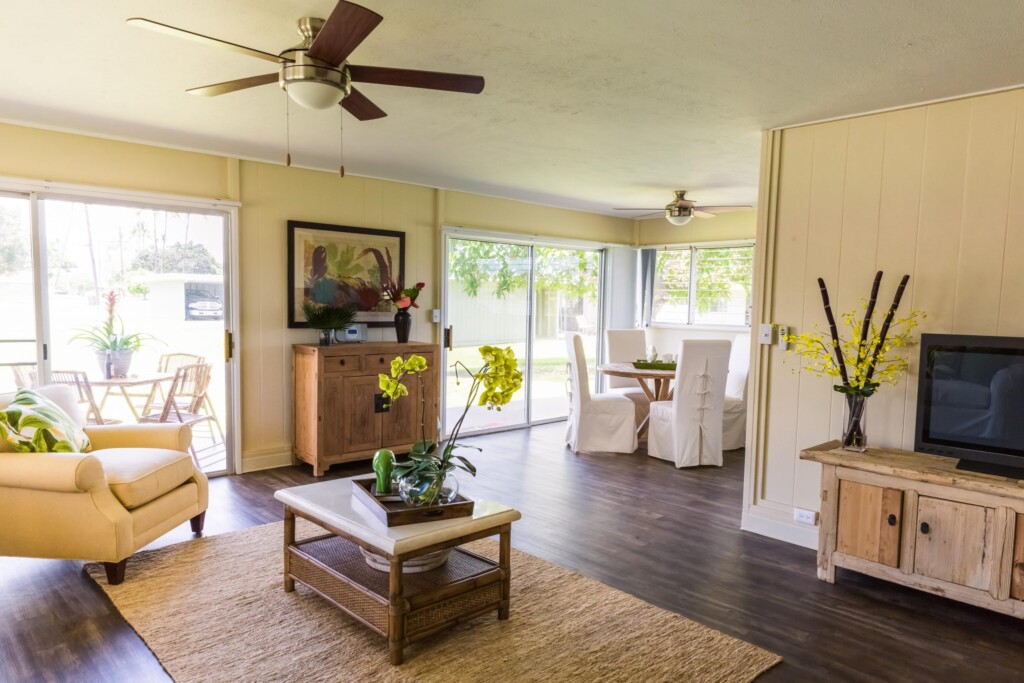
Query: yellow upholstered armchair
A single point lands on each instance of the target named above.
(135, 484)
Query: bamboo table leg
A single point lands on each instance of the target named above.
(289, 539)
(396, 615)
(505, 562)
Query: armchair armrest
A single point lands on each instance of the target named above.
(58, 472)
(173, 437)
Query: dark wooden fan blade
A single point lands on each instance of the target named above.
(200, 38)
(231, 86)
(410, 78)
(360, 106)
(348, 25)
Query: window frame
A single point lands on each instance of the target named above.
(693, 248)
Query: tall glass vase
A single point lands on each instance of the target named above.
(854, 417)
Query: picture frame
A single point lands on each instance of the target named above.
(326, 265)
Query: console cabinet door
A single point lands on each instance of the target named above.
(954, 542)
(869, 522)
(402, 420)
(359, 415)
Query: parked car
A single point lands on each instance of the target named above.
(204, 309)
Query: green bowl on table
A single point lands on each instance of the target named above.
(653, 365)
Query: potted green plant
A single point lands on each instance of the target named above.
(327, 319)
(427, 478)
(114, 347)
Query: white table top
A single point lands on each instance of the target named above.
(332, 502)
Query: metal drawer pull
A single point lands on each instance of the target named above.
(925, 528)
(382, 359)
(341, 361)
(892, 520)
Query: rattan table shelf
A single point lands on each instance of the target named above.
(402, 607)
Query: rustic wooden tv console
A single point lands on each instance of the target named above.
(916, 520)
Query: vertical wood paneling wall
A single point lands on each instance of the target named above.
(935, 191)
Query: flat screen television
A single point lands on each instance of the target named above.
(970, 401)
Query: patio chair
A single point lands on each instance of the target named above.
(23, 377)
(79, 382)
(185, 399)
(168, 362)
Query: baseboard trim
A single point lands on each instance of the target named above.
(775, 525)
(266, 459)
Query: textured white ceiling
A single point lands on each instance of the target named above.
(589, 104)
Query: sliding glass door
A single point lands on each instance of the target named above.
(122, 302)
(19, 346)
(526, 296)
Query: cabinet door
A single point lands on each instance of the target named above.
(331, 416)
(362, 423)
(402, 421)
(869, 522)
(953, 541)
(1017, 578)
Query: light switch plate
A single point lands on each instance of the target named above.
(783, 331)
(435, 315)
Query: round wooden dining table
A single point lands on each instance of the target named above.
(662, 380)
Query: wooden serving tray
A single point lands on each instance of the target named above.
(653, 365)
(391, 511)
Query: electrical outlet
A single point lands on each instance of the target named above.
(805, 516)
(435, 315)
(766, 334)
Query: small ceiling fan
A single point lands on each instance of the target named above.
(315, 73)
(681, 210)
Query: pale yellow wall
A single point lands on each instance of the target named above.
(738, 225)
(935, 191)
(68, 158)
(270, 195)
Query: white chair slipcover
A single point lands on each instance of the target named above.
(599, 422)
(734, 413)
(688, 429)
(626, 346)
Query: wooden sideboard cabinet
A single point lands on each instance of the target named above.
(339, 413)
(916, 520)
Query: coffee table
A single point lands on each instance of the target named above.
(401, 607)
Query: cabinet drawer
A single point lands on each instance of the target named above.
(954, 542)
(381, 362)
(870, 522)
(347, 363)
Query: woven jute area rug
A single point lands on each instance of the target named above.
(214, 609)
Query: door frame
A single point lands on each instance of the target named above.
(449, 232)
(37, 190)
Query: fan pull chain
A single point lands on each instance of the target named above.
(341, 141)
(288, 129)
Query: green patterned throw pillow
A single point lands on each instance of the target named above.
(32, 423)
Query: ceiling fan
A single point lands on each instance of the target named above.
(681, 210)
(315, 73)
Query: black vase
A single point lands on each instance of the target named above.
(403, 325)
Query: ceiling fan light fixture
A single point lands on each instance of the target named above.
(314, 94)
(676, 217)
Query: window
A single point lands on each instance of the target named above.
(703, 286)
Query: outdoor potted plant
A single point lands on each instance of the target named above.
(863, 361)
(427, 478)
(114, 348)
(327, 319)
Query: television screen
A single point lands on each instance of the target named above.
(971, 398)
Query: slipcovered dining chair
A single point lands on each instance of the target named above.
(688, 429)
(734, 412)
(598, 422)
(626, 346)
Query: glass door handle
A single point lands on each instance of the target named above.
(448, 337)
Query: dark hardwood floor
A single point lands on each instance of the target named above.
(668, 536)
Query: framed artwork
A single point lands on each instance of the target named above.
(336, 265)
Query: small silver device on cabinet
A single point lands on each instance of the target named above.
(355, 333)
